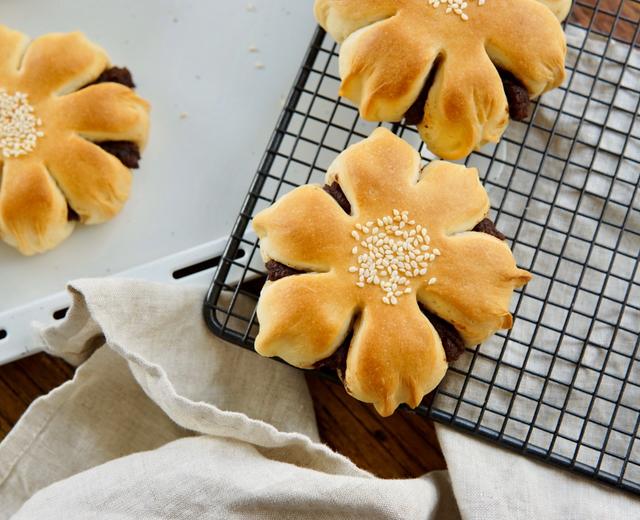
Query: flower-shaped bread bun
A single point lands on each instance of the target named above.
(438, 60)
(405, 244)
(52, 121)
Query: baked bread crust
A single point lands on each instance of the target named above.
(65, 168)
(389, 48)
(395, 355)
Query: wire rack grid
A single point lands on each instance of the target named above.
(564, 384)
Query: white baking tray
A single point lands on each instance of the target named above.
(214, 105)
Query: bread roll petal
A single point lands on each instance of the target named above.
(530, 45)
(395, 356)
(466, 107)
(304, 318)
(12, 47)
(104, 112)
(95, 182)
(33, 210)
(384, 67)
(306, 229)
(44, 72)
(450, 198)
(340, 18)
(376, 173)
(473, 281)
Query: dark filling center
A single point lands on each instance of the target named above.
(336, 192)
(338, 360)
(72, 216)
(517, 98)
(415, 114)
(127, 152)
(451, 340)
(488, 227)
(276, 271)
(120, 75)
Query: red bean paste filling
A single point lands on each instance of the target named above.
(120, 75)
(337, 362)
(451, 340)
(72, 216)
(516, 92)
(517, 96)
(336, 192)
(489, 228)
(415, 114)
(126, 152)
(277, 271)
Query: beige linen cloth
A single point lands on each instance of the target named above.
(164, 421)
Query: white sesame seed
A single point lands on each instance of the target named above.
(394, 253)
(437, 252)
(18, 134)
(433, 281)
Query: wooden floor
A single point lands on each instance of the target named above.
(399, 447)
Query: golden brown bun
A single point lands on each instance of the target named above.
(65, 166)
(395, 355)
(389, 48)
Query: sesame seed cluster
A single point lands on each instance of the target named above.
(18, 124)
(454, 6)
(390, 252)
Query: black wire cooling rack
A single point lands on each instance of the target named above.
(564, 384)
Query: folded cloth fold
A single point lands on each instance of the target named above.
(163, 420)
